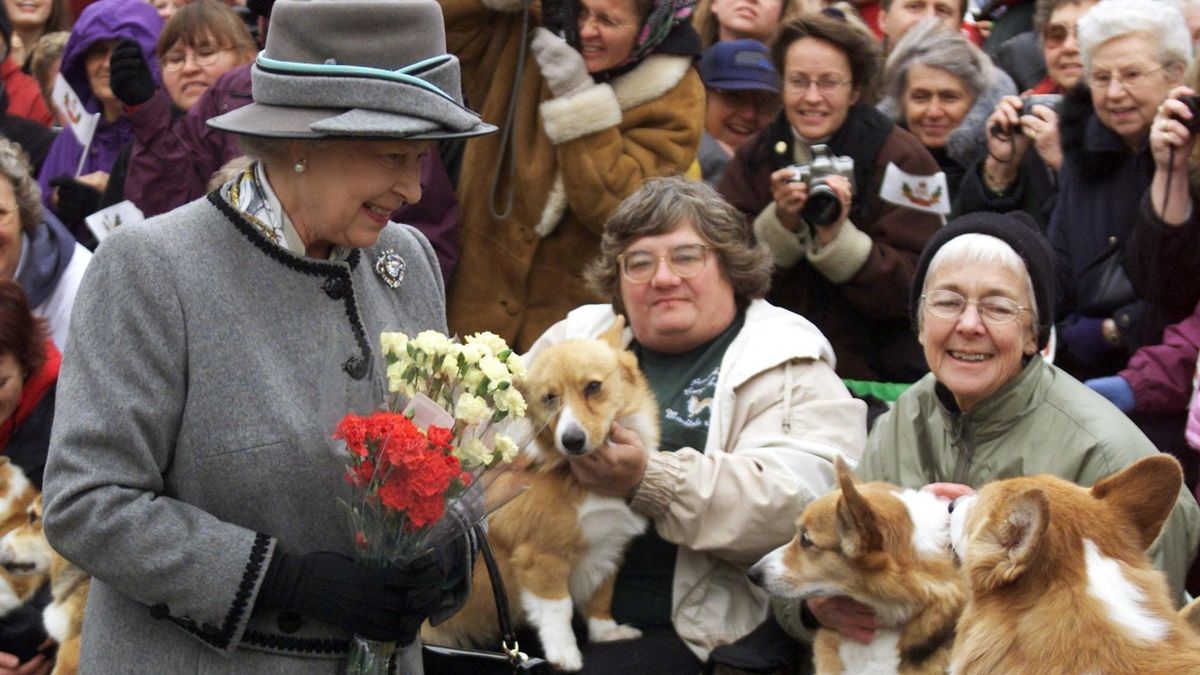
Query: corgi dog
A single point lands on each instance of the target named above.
(887, 548)
(17, 494)
(24, 551)
(559, 545)
(1059, 581)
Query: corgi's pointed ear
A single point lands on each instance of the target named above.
(613, 334)
(858, 526)
(843, 471)
(1016, 532)
(1143, 494)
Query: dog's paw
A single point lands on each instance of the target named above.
(564, 657)
(607, 630)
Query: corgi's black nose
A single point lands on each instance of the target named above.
(755, 574)
(574, 441)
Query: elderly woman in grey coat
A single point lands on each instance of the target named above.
(942, 88)
(216, 346)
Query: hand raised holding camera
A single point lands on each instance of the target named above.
(1006, 144)
(1173, 128)
(790, 196)
(1040, 123)
(563, 68)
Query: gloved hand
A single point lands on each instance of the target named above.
(76, 200)
(562, 66)
(1116, 389)
(379, 603)
(129, 74)
(1084, 340)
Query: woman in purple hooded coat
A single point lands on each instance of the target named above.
(70, 191)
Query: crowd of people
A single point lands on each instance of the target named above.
(513, 158)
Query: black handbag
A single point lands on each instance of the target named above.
(440, 660)
(1109, 287)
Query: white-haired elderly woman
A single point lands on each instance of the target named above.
(942, 88)
(215, 347)
(732, 473)
(991, 407)
(1134, 52)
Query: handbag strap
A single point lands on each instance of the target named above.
(507, 636)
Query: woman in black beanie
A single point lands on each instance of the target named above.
(991, 406)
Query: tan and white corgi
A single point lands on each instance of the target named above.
(885, 547)
(24, 552)
(17, 494)
(1059, 581)
(559, 545)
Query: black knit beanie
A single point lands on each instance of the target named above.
(1018, 230)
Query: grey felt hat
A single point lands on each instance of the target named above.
(355, 68)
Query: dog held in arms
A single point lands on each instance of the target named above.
(885, 547)
(1059, 580)
(559, 545)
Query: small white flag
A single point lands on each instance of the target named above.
(82, 123)
(104, 221)
(923, 193)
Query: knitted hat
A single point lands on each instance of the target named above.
(355, 68)
(1020, 232)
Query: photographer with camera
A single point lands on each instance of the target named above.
(810, 183)
(584, 121)
(1011, 178)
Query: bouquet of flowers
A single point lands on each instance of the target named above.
(418, 467)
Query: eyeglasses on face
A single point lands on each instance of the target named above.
(203, 56)
(1129, 79)
(1055, 34)
(825, 85)
(602, 20)
(996, 310)
(685, 260)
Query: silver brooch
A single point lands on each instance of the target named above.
(390, 267)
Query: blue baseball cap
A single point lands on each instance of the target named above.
(734, 65)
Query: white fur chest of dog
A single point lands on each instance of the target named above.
(607, 525)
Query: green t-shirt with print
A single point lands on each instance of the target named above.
(684, 385)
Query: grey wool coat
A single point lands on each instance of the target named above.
(204, 375)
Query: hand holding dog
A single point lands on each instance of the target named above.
(616, 468)
(11, 665)
(847, 616)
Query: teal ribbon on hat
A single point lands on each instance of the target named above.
(401, 75)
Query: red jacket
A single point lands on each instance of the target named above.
(24, 94)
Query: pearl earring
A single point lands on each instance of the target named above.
(300, 165)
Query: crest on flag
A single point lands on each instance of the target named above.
(923, 193)
(82, 123)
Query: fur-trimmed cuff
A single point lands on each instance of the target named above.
(786, 246)
(842, 258)
(656, 491)
(591, 110)
(503, 5)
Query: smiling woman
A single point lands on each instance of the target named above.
(200, 42)
(847, 276)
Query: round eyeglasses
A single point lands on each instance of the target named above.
(204, 57)
(996, 310)
(685, 260)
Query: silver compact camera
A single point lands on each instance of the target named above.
(823, 206)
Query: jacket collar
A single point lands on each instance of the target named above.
(1002, 410)
(1092, 148)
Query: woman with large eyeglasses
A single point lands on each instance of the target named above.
(752, 416)
(1011, 177)
(844, 267)
(991, 408)
(1134, 52)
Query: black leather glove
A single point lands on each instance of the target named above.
(379, 603)
(76, 200)
(129, 74)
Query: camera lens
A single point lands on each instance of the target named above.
(823, 206)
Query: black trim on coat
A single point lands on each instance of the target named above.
(254, 569)
(336, 277)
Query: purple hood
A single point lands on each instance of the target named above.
(109, 20)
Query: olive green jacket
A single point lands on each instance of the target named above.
(1043, 421)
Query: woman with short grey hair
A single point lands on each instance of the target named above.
(942, 88)
(216, 347)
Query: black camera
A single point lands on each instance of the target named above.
(561, 17)
(1051, 101)
(1193, 104)
(823, 206)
